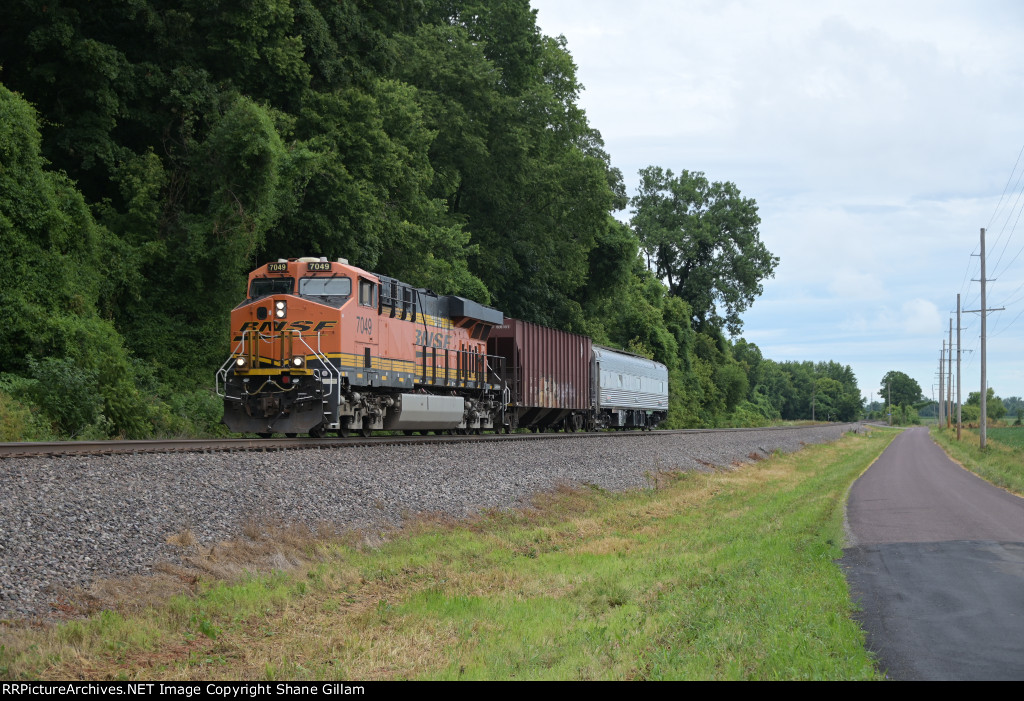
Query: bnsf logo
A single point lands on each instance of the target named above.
(431, 339)
(279, 326)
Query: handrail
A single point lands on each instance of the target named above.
(245, 348)
(222, 373)
(327, 368)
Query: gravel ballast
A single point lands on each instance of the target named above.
(69, 521)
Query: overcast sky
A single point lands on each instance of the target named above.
(877, 139)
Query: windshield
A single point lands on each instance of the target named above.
(325, 286)
(261, 287)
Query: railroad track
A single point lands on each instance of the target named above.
(218, 445)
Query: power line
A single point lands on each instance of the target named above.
(1015, 299)
(968, 271)
(1006, 187)
(1016, 221)
(1014, 207)
(1010, 212)
(1007, 327)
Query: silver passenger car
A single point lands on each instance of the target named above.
(629, 391)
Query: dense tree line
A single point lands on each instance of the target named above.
(1008, 409)
(153, 152)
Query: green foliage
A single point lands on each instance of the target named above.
(520, 165)
(970, 413)
(899, 388)
(748, 415)
(904, 415)
(19, 421)
(1013, 404)
(702, 239)
(994, 407)
(153, 154)
(67, 393)
(50, 242)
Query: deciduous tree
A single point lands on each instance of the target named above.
(701, 238)
(994, 406)
(898, 388)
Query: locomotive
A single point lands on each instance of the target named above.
(323, 346)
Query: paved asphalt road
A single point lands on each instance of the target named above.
(937, 564)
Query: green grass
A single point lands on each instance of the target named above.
(729, 574)
(1002, 462)
(1012, 436)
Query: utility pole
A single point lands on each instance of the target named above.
(888, 387)
(958, 421)
(949, 379)
(942, 383)
(984, 379)
(983, 422)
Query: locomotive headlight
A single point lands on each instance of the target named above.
(297, 361)
(280, 309)
(240, 363)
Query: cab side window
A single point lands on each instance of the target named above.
(367, 293)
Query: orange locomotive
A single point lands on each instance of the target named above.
(322, 346)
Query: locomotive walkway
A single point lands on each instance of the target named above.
(937, 564)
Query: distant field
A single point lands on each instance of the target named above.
(1012, 436)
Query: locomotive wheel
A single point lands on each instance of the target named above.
(342, 432)
(316, 431)
(408, 433)
(365, 431)
(290, 435)
(264, 435)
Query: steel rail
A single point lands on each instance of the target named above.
(184, 445)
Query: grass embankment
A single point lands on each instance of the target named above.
(1002, 462)
(723, 575)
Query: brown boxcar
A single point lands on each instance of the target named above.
(548, 375)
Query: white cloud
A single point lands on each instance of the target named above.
(875, 136)
(921, 318)
(854, 285)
